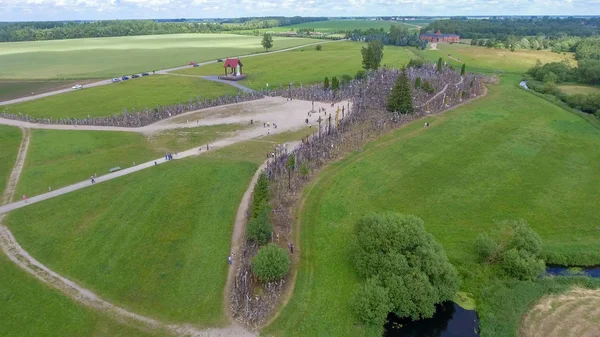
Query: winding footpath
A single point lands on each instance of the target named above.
(162, 71)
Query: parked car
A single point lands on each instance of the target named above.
(145, 74)
(135, 76)
(77, 86)
(196, 65)
(220, 60)
(124, 78)
(115, 80)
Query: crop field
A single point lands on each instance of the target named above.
(10, 140)
(57, 158)
(116, 56)
(334, 26)
(134, 94)
(510, 155)
(483, 59)
(579, 89)
(305, 65)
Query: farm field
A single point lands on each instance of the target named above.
(486, 60)
(117, 56)
(332, 26)
(305, 65)
(57, 158)
(507, 156)
(579, 89)
(10, 140)
(29, 308)
(136, 94)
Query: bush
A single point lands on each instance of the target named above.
(417, 83)
(319, 47)
(345, 79)
(415, 63)
(427, 87)
(271, 263)
(260, 228)
(384, 249)
(261, 193)
(371, 303)
(360, 75)
(515, 246)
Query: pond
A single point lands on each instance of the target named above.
(573, 271)
(450, 320)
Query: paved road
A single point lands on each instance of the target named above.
(162, 71)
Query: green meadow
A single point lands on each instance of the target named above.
(135, 94)
(118, 56)
(506, 156)
(10, 140)
(305, 65)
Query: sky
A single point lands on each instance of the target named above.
(42, 10)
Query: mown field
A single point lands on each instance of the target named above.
(305, 65)
(507, 156)
(10, 140)
(486, 60)
(11, 89)
(116, 56)
(579, 89)
(57, 158)
(30, 308)
(137, 94)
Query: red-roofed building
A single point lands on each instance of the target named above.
(439, 37)
(233, 63)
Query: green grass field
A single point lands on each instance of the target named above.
(30, 308)
(11, 89)
(305, 65)
(333, 26)
(116, 56)
(155, 242)
(112, 99)
(57, 158)
(483, 59)
(509, 155)
(10, 140)
(579, 89)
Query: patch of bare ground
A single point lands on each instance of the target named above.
(574, 313)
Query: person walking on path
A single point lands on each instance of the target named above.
(230, 260)
(92, 179)
(291, 248)
(24, 198)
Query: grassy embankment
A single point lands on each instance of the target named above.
(10, 140)
(156, 241)
(118, 56)
(510, 155)
(305, 65)
(146, 92)
(59, 158)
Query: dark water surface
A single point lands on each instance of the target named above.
(564, 271)
(450, 320)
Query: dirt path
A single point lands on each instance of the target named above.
(9, 191)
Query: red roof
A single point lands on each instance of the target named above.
(232, 63)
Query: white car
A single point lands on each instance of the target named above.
(115, 80)
(77, 86)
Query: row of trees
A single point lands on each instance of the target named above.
(397, 36)
(36, 31)
(272, 262)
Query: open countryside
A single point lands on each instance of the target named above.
(380, 184)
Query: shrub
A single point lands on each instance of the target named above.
(384, 249)
(260, 228)
(345, 79)
(360, 75)
(319, 47)
(261, 193)
(371, 303)
(418, 83)
(271, 263)
(415, 63)
(427, 87)
(521, 264)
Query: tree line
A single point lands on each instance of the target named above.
(38, 31)
(398, 35)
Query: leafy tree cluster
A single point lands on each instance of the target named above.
(36, 31)
(415, 63)
(259, 227)
(502, 28)
(400, 99)
(427, 87)
(267, 41)
(588, 49)
(406, 270)
(397, 36)
(372, 55)
(515, 247)
(271, 263)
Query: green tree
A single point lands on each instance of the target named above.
(415, 63)
(291, 164)
(360, 75)
(261, 193)
(260, 228)
(400, 100)
(326, 83)
(418, 83)
(394, 252)
(463, 69)
(319, 47)
(371, 302)
(372, 55)
(267, 41)
(335, 84)
(271, 263)
(515, 246)
(439, 65)
(427, 87)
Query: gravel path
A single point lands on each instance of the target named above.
(163, 71)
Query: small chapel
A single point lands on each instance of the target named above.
(233, 70)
